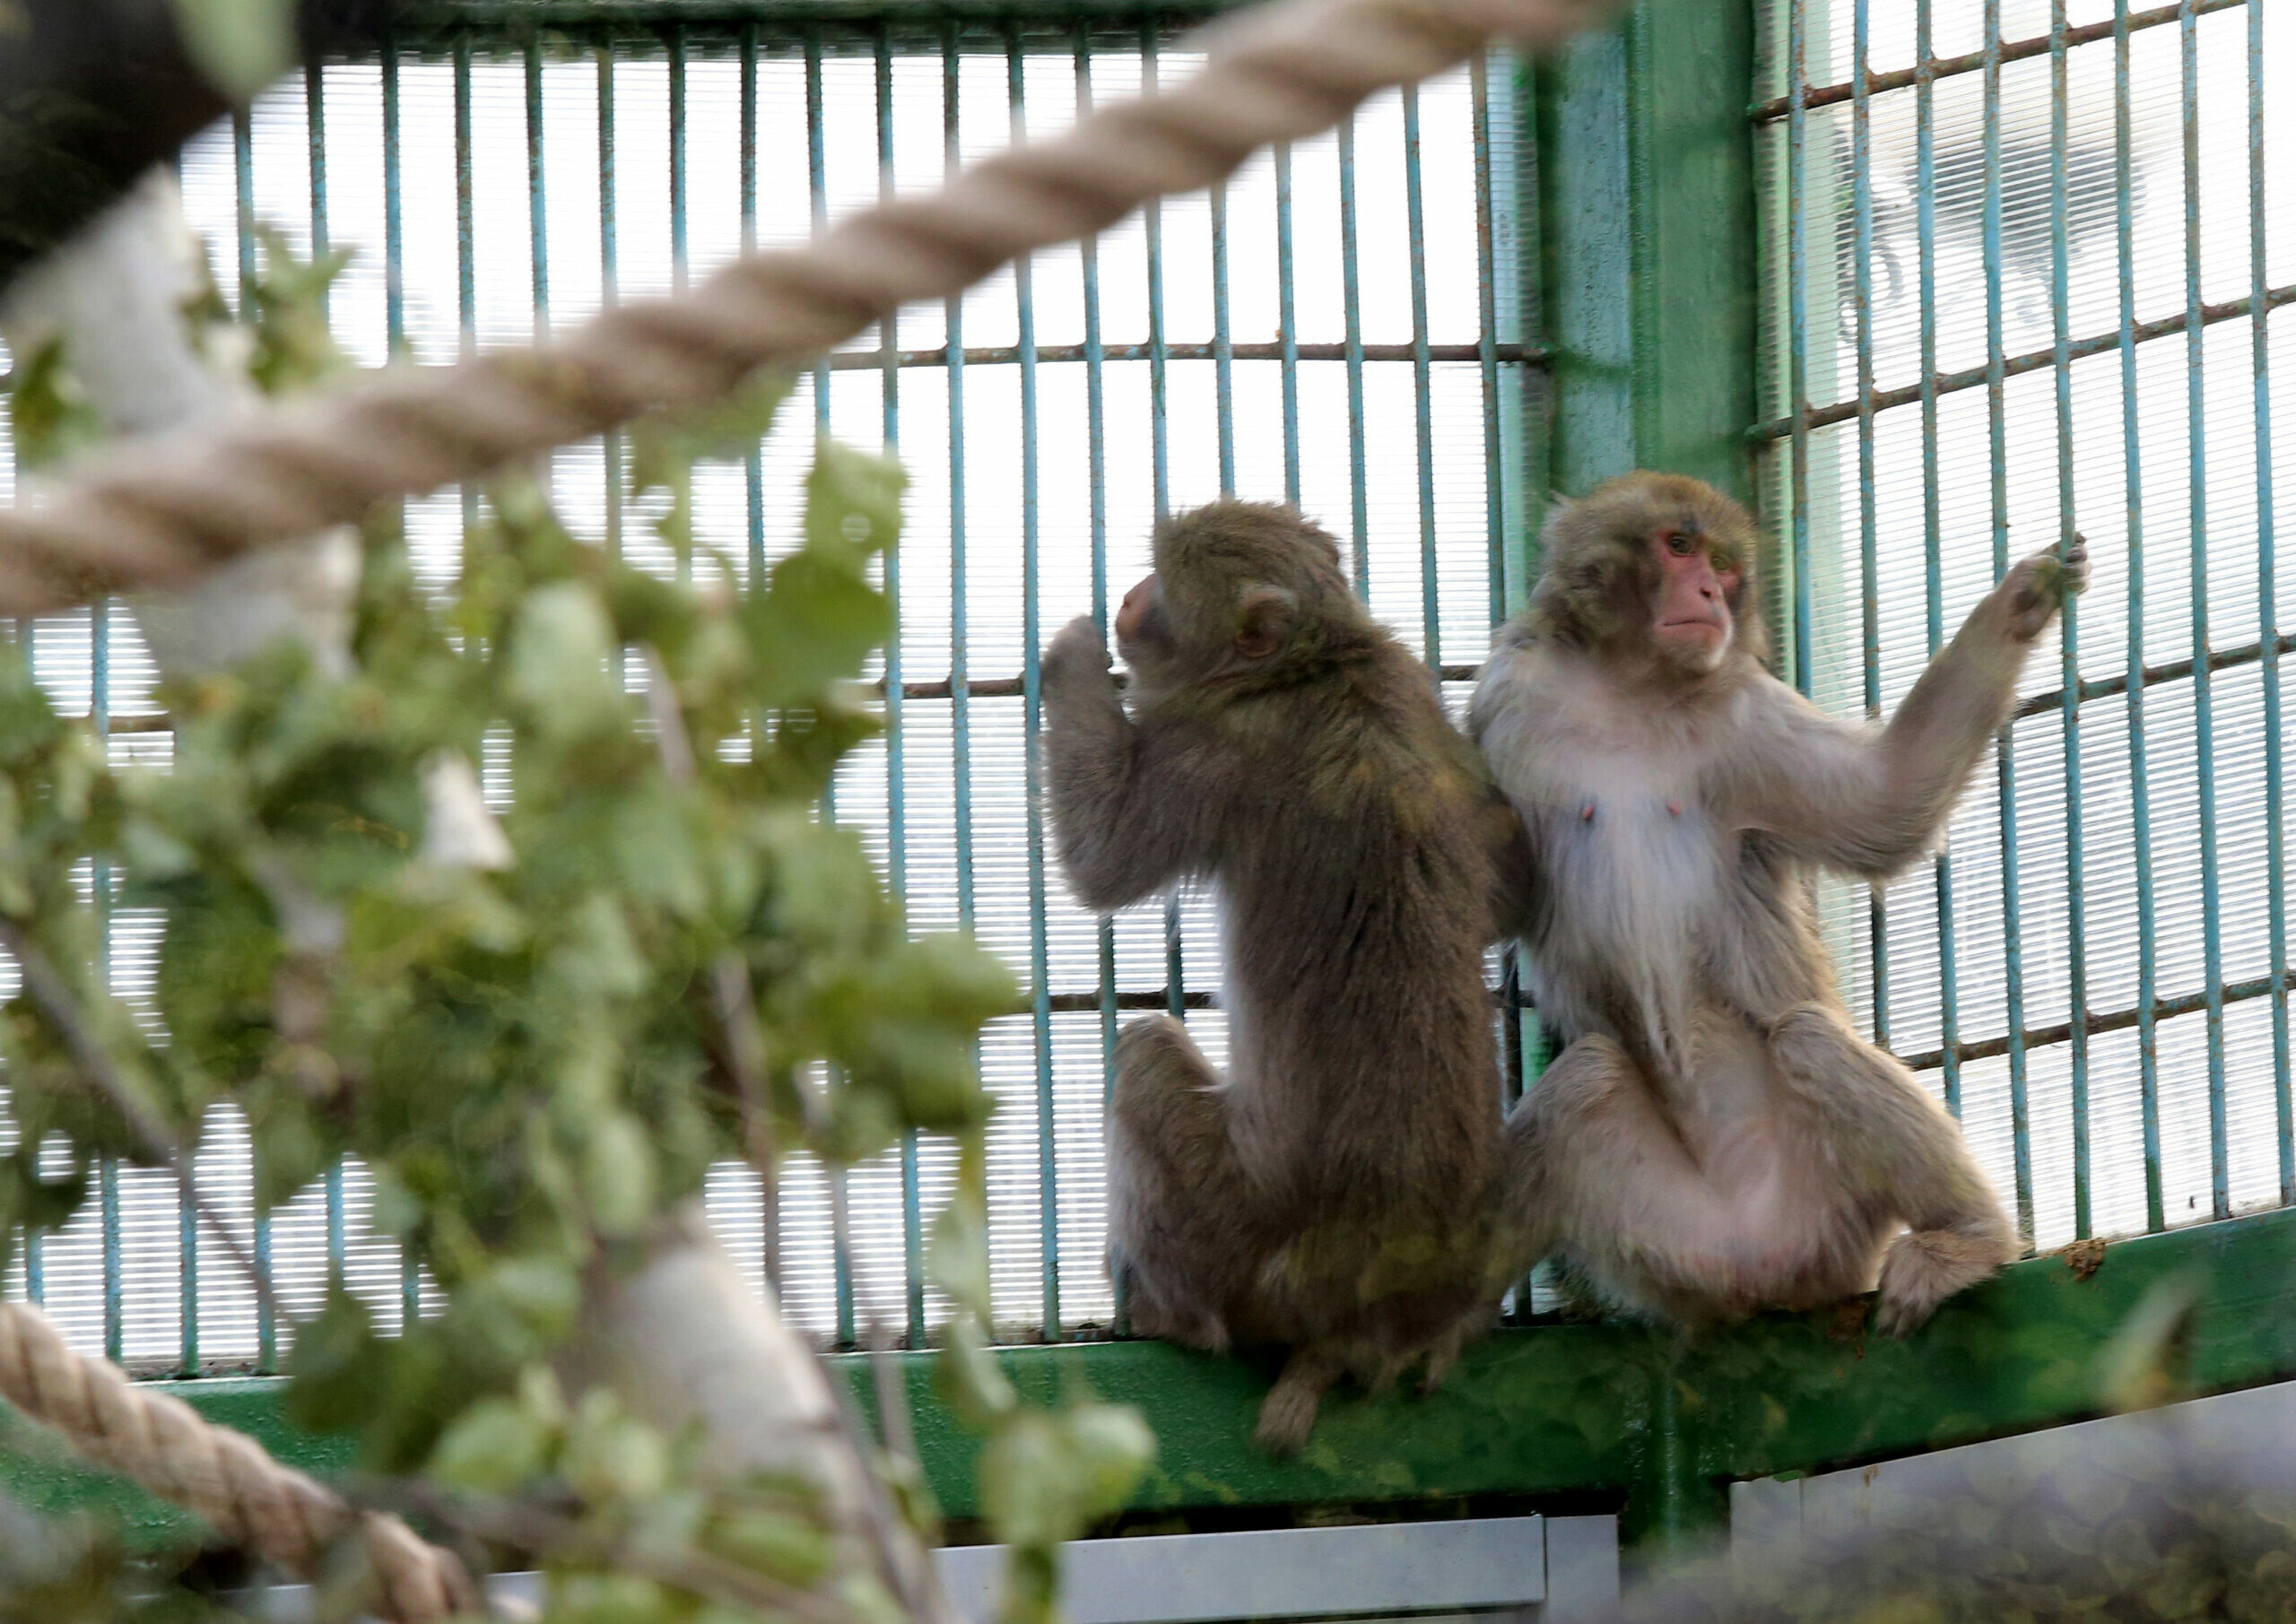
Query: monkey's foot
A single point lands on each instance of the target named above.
(1924, 1268)
(1288, 1413)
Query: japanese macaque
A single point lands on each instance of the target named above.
(1716, 1139)
(1331, 1194)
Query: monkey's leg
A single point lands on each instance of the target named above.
(1178, 1228)
(1884, 1134)
(1597, 1170)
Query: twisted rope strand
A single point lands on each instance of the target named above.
(221, 1476)
(156, 511)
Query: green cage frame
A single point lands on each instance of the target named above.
(1588, 1417)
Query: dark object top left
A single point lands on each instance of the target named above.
(94, 92)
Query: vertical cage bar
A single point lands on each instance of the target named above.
(681, 249)
(1287, 322)
(1096, 475)
(27, 639)
(1431, 585)
(99, 718)
(960, 675)
(1223, 349)
(1486, 284)
(912, 1194)
(2069, 663)
(2202, 698)
(2140, 795)
(681, 258)
(1797, 321)
(1159, 447)
(1032, 703)
(2013, 943)
(817, 200)
(609, 444)
(537, 218)
(1861, 144)
(465, 219)
(817, 190)
(1949, 986)
(753, 459)
(1351, 294)
(2268, 615)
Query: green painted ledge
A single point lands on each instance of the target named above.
(1586, 1413)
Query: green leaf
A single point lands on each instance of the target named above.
(618, 1174)
(558, 665)
(52, 418)
(492, 1448)
(852, 503)
(240, 45)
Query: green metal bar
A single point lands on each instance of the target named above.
(639, 19)
(1159, 452)
(1868, 540)
(1350, 286)
(912, 1194)
(2268, 619)
(1430, 584)
(680, 247)
(2033, 361)
(959, 679)
(537, 220)
(1927, 69)
(817, 198)
(1287, 322)
(2069, 678)
(1032, 710)
(2013, 945)
(1486, 287)
(2204, 708)
(1223, 346)
(817, 190)
(611, 447)
(2135, 1016)
(1097, 481)
(1563, 1410)
(2140, 797)
(1798, 365)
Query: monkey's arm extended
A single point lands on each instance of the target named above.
(1131, 805)
(1835, 794)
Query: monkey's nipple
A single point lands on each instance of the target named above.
(1587, 813)
(1673, 809)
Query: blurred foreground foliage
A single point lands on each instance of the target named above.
(678, 962)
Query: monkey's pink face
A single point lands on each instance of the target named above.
(1142, 629)
(1690, 619)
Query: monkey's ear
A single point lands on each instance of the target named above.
(1264, 622)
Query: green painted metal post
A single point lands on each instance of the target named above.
(1644, 293)
(1649, 308)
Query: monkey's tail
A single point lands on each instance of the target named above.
(1288, 1414)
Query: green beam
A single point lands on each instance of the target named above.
(1606, 1413)
(1647, 199)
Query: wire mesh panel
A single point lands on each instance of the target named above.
(2020, 256)
(1337, 326)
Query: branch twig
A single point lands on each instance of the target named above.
(61, 1005)
(529, 1527)
(914, 1584)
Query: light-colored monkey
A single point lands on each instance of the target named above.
(1715, 1138)
(1331, 1192)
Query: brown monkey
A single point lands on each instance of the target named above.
(1716, 1139)
(1330, 1195)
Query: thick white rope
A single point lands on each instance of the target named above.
(157, 511)
(221, 1476)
